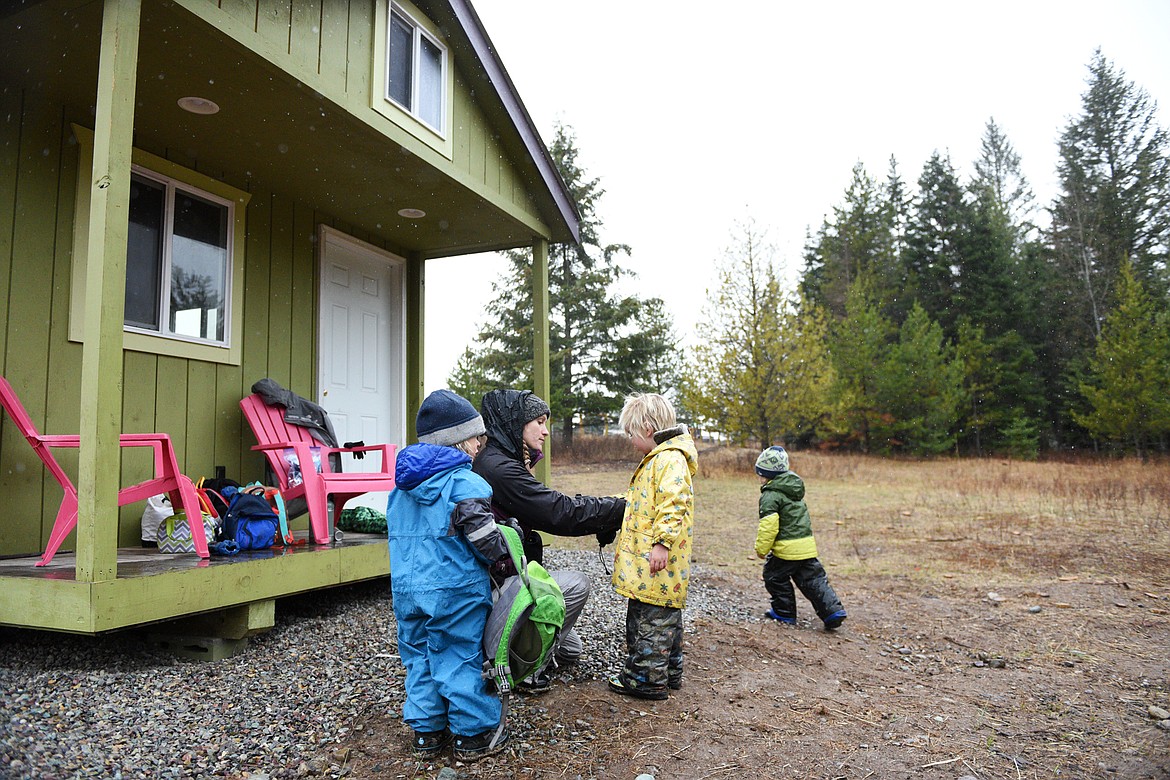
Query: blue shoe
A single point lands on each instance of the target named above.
(834, 620)
(771, 613)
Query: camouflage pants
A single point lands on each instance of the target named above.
(653, 644)
(808, 575)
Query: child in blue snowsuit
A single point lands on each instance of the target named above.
(442, 538)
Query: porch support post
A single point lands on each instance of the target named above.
(415, 340)
(540, 349)
(99, 459)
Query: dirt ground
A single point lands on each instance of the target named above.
(1006, 620)
(921, 682)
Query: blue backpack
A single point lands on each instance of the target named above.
(249, 521)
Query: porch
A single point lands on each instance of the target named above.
(229, 597)
(306, 146)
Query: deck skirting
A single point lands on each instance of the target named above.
(153, 587)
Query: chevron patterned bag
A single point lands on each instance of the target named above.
(174, 533)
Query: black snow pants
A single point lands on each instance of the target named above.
(808, 575)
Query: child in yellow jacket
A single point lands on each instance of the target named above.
(653, 560)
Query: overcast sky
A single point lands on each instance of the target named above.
(695, 120)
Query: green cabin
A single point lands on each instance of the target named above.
(197, 194)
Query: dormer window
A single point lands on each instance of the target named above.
(416, 69)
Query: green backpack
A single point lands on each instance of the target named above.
(524, 622)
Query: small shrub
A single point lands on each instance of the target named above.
(1021, 439)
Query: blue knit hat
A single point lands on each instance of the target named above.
(447, 418)
(772, 462)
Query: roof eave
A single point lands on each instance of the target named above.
(506, 91)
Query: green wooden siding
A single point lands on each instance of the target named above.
(32, 159)
(195, 402)
(330, 44)
(329, 47)
(66, 604)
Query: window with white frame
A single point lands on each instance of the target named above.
(178, 260)
(416, 69)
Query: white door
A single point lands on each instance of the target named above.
(362, 377)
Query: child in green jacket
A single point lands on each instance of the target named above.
(785, 538)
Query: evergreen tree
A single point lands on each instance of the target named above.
(919, 389)
(1000, 180)
(1128, 389)
(861, 239)
(1038, 324)
(987, 292)
(470, 379)
(859, 346)
(1000, 386)
(589, 324)
(503, 355)
(938, 241)
(990, 291)
(1115, 197)
(980, 381)
(648, 359)
(898, 204)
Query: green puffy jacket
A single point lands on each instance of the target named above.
(785, 527)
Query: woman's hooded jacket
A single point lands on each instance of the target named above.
(516, 493)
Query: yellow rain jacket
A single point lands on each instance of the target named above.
(660, 508)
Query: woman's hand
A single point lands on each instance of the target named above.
(658, 558)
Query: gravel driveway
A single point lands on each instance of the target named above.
(114, 707)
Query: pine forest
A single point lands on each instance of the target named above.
(932, 315)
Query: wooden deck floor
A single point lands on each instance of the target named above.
(148, 561)
(151, 586)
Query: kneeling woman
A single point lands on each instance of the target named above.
(516, 423)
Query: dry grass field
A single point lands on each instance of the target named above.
(970, 520)
(1006, 620)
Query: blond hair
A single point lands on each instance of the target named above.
(646, 410)
(467, 447)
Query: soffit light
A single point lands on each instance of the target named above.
(412, 213)
(198, 105)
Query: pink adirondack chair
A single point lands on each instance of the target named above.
(277, 438)
(167, 477)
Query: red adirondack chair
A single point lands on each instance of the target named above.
(277, 439)
(167, 479)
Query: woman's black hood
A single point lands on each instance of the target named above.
(505, 413)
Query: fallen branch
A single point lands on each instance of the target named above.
(854, 717)
(940, 763)
(720, 770)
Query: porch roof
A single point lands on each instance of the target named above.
(275, 133)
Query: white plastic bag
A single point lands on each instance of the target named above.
(158, 508)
